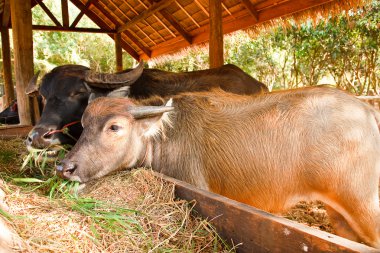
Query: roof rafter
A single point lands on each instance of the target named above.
(175, 24)
(251, 9)
(48, 12)
(82, 12)
(230, 24)
(102, 24)
(157, 6)
(117, 23)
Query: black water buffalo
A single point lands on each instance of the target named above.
(66, 92)
(268, 151)
(10, 114)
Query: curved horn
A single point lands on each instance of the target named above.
(32, 85)
(140, 112)
(112, 81)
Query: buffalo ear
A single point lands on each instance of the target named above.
(119, 93)
(32, 88)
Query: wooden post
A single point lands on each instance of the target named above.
(118, 52)
(65, 13)
(7, 67)
(21, 16)
(216, 34)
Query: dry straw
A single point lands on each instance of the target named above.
(131, 211)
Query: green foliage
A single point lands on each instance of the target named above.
(52, 49)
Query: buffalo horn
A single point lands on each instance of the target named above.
(112, 81)
(141, 112)
(32, 85)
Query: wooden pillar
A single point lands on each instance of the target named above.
(118, 52)
(216, 34)
(65, 13)
(21, 17)
(7, 67)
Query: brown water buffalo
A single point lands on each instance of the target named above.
(268, 151)
(66, 91)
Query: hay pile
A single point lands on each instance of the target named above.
(131, 211)
(128, 212)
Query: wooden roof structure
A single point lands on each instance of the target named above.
(143, 28)
(150, 28)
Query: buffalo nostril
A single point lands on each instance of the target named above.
(70, 168)
(66, 169)
(48, 134)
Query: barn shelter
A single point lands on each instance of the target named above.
(147, 29)
(144, 28)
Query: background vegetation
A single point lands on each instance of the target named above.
(343, 50)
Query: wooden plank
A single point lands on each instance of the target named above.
(251, 9)
(11, 132)
(48, 12)
(71, 29)
(118, 52)
(65, 13)
(256, 231)
(7, 67)
(152, 9)
(216, 34)
(21, 16)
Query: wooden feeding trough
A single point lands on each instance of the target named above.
(10, 132)
(256, 231)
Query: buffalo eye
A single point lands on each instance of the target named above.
(78, 93)
(115, 128)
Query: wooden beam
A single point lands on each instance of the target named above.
(104, 25)
(118, 52)
(7, 67)
(216, 34)
(80, 15)
(256, 231)
(48, 12)
(71, 29)
(177, 26)
(127, 47)
(14, 131)
(187, 13)
(153, 9)
(138, 43)
(6, 14)
(251, 9)
(65, 13)
(21, 16)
